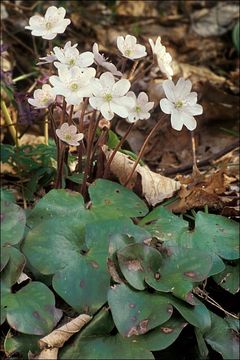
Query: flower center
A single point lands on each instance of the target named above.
(138, 109)
(48, 25)
(45, 100)
(178, 104)
(67, 137)
(74, 87)
(108, 97)
(128, 52)
(71, 62)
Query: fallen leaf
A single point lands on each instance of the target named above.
(52, 342)
(155, 187)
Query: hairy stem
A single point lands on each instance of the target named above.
(141, 152)
(107, 168)
(81, 128)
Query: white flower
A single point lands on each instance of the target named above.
(164, 59)
(141, 108)
(47, 59)
(42, 98)
(181, 103)
(109, 97)
(100, 60)
(50, 25)
(129, 47)
(68, 134)
(73, 83)
(70, 56)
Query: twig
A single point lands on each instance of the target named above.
(9, 122)
(201, 293)
(204, 162)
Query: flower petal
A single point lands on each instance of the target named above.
(176, 120)
(166, 106)
(120, 43)
(85, 59)
(196, 109)
(96, 102)
(121, 87)
(106, 111)
(188, 121)
(183, 88)
(119, 110)
(107, 81)
(169, 89)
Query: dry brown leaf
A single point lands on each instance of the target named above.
(155, 187)
(56, 339)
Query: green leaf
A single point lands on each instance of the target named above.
(229, 278)
(105, 347)
(222, 338)
(175, 272)
(236, 36)
(111, 200)
(113, 139)
(58, 204)
(7, 195)
(13, 222)
(134, 312)
(215, 233)
(32, 309)
(202, 347)
(164, 225)
(132, 316)
(162, 336)
(12, 270)
(21, 344)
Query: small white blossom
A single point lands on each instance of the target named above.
(181, 103)
(42, 98)
(141, 108)
(50, 25)
(50, 58)
(68, 134)
(129, 47)
(70, 56)
(110, 96)
(100, 60)
(164, 59)
(73, 83)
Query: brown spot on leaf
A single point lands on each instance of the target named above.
(82, 284)
(94, 264)
(36, 315)
(107, 202)
(157, 276)
(166, 330)
(190, 274)
(132, 306)
(140, 329)
(190, 299)
(134, 265)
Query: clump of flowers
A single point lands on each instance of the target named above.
(89, 90)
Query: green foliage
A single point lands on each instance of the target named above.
(34, 163)
(137, 281)
(236, 36)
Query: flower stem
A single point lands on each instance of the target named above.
(141, 152)
(107, 168)
(9, 122)
(195, 170)
(91, 133)
(46, 130)
(81, 128)
(132, 72)
(70, 115)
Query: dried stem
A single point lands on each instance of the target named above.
(195, 169)
(141, 152)
(201, 293)
(107, 168)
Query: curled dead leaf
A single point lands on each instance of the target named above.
(155, 187)
(52, 342)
